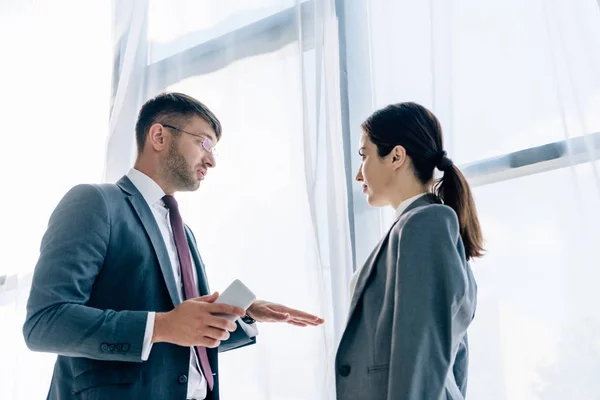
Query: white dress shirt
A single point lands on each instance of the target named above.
(153, 194)
(397, 213)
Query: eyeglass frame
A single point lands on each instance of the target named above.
(211, 148)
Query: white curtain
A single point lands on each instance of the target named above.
(55, 79)
(274, 211)
(516, 87)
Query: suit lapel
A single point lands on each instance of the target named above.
(365, 273)
(200, 270)
(367, 270)
(148, 221)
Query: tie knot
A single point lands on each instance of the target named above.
(170, 202)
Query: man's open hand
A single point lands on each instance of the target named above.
(264, 311)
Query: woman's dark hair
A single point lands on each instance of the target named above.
(415, 128)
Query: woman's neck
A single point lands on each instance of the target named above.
(406, 193)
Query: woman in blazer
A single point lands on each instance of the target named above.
(413, 300)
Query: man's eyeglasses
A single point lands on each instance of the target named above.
(207, 143)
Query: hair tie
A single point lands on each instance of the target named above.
(443, 163)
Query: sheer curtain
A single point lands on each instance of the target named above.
(55, 80)
(516, 87)
(274, 212)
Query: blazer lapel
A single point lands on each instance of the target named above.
(202, 280)
(148, 221)
(367, 270)
(365, 273)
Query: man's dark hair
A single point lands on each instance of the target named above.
(173, 109)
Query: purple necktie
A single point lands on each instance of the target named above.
(185, 262)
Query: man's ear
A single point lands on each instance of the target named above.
(398, 157)
(157, 137)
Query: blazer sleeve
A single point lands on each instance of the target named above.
(430, 286)
(239, 338)
(71, 257)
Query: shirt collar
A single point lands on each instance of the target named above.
(404, 205)
(149, 189)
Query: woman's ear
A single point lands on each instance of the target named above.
(398, 156)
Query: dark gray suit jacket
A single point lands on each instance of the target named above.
(103, 265)
(415, 297)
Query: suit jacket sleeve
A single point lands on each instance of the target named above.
(71, 257)
(429, 288)
(238, 339)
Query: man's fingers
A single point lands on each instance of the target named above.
(225, 309)
(209, 342)
(209, 298)
(297, 323)
(306, 323)
(222, 323)
(316, 322)
(217, 308)
(215, 333)
(297, 314)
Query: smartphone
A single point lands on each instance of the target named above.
(237, 294)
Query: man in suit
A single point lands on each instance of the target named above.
(120, 291)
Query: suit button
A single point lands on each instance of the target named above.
(344, 370)
(182, 379)
(125, 346)
(111, 347)
(104, 347)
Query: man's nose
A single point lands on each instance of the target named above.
(210, 161)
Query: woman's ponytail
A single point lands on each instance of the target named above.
(454, 192)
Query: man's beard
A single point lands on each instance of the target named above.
(178, 171)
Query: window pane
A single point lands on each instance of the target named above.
(502, 77)
(174, 26)
(536, 334)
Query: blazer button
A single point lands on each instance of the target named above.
(182, 379)
(125, 346)
(344, 370)
(104, 347)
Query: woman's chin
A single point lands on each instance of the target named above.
(375, 201)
